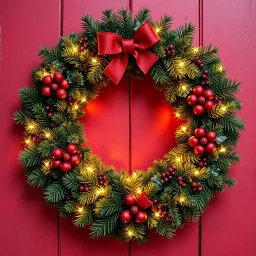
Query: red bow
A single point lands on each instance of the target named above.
(110, 43)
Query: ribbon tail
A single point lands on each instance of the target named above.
(145, 59)
(116, 68)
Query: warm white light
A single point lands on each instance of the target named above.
(83, 99)
(196, 173)
(100, 191)
(157, 214)
(177, 114)
(183, 128)
(80, 209)
(47, 163)
(182, 199)
(31, 126)
(158, 30)
(223, 109)
(27, 141)
(178, 159)
(47, 135)
(130, 233)
(184, 87)
(128, 179)
(195, 49)
(76, 107)
(94, 60)
(134, 175)
(89, 169)
(181, 64)
(75, 49)
(139, 190)
(220, 68)
(223, 150)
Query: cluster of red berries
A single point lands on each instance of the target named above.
(170, 50)
(169, 174)
(196, 187)
(37, 138)
(204, 78)
(203, 141)
(71, 101)
(84, 69)
(158, 208)
(67, 159)
(49, 111)
(181, 182)
(83, 188)
(201, 99)
(84, 43)
(203, 162)
(102, 179)
(56, 85)
(218, 100)
(198, 62)
(69, 196)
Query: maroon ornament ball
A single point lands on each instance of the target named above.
(200, 132)
(64, 85)
(199, 150)
(209, 105)
(198, 109)
(74, 160)
(201, 100)
(141, 217)
(210, 148)
(193, 141)
(47, 81)
(209, 94)
(57, 153)
(71, 149)
(192, 99)
(61, 94)
(125, 216)
(65, 166)
(198, 90)
(130, 200)
(56, 164)
(66, 156)
(203, 141)
(46, 91)
(134, 209)
(58, 77)
(211, 136)
(54, 87)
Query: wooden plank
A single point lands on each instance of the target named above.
(153, 127)
(28, 227)
(107, 130)
(228, 226)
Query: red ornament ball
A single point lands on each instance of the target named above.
(56, 164)
(198, 90)
(199, 150)
(71, 149)
(125, 216)
(47, 81)
(203, 141)
(46, 91)
(74, 160)
(57, 153)
(134, 209)
(54, 87)
(66, 156)
(65, 166)
(141, 217)
(209, 105)
(192, 99)
(209, 94)
(201, 100)
(193, 141)
(211, 136)
(130, 200)
(198, 109)
(200, 132)
(210, 148)
(58, 77)
(64, 85)
(61, 94)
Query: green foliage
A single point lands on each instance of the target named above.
(54, 192)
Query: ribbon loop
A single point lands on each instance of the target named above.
(110, 43)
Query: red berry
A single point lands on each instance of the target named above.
(204, 76)
(49, 114)
(179, 178)
(170, 178)
(198, 90)
(201, 100)
(210, 148)
(56, 164)
(81, 188)
(194, 185)
(47, 108)
(65, 167)
(165, 179)
(167, 173)
(170, 170)
(184, 185)
(201, 65)
(211, 136)
(66, 156)
(180, 183)
(206, 72)
(174, 167)
(46, 91)
(198, 62)
(192, 99)
(159, 206)
(64, 85)
(47, 81)
(58, 77)
(163, 175)
(193, 141)
(61, 94)
(71, 149)
(134, 209)
(74, 160)
(141, 217)
(209, 105)
(198, 110)
(209, 94)
(54, 87)
(168, 219)
(199, 189)
(130, 200)
(200, 132)
(171, 47)
(102, 174)
(86, 189)
(57, 153)
(199, 150)
(198, 184)
(203, 141)
(173, 52)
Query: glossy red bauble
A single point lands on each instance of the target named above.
(193, 141)
(64, 85)
(71, 149)
(47, 81)
(209, 94)
(66, 156)
(54, 87)
(46, 91)
(56, 164)
(134, 209)
(203, 141)
(57, 153)
(209, 105)
(192, 99)
(198, 90)
(200, 132)
(211, 136)
(61, 94)
(125, 216)
(65, 166)
(130, 200)
(74, 160)
(141, 217)
(199, 150)
(201, 100)
(210, 148)
(198, 110)
(58, 77)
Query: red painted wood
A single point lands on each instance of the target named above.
(28, 227)
(153, 127)
(228, 226)
(107, 129)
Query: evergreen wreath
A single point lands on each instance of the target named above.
(177, 188)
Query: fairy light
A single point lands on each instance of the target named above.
(47, 163)
(76, 107)
(223, 149)
(31, 126)
(184, 87)
(158, 29)
(128, 179)
(177, 114)
(184, 128)
(196, 173)
(83, 99)
(178, 159)
(139, 191)
(47, 135)
(220, 68)
(27, 141)
(182, 199)
(100, 191)
(80, 209)
(134, 175)
(195, 49)
(89, 169)
(223, 109)
(74, 49)
(94, 60)
(181, 64)
(157, 214)
(130, 233)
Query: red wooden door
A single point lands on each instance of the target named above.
(129, 126)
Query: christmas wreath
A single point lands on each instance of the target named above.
(175, 189)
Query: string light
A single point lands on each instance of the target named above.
(158, 30)
(100, 191)
(47, 163)
(196, 172)
(76, 107)
(181, 64)
(74, 49)
(195, 49)
(80, 209)
(139, 191)
(184, 128)
(134, 175)
(184, 87)
(31, 126)
(157, 214)
(47, 135)
(89, 169)
(83, 99)
(128, 179)
(223, 149)
(27, 141)
(220, 68)
(182, 199)
(94, 60)
(177, 114)
(178, 159)
(223, 109)
(130, 233)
